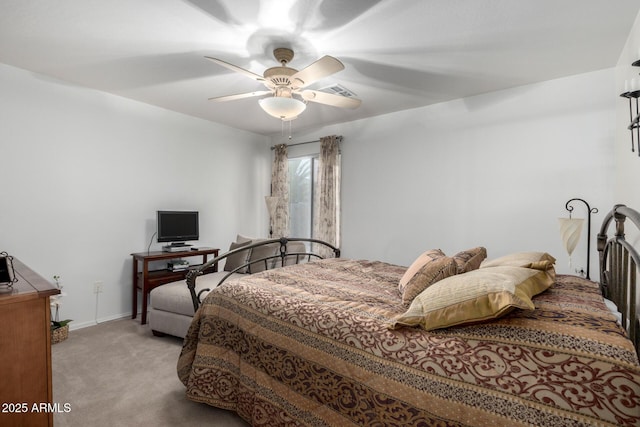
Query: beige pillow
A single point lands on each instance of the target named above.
(236, 260)
(261, 252)
(426, 270)
(241, 239)
(537, 260)
(470, 259)
(292, 248)
(476, 296)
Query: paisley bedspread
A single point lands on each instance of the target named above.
(309, 345)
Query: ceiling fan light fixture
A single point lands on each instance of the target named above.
(282, 108)
(283, 82)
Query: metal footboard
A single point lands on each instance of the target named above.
(283, 254)
(619, 263)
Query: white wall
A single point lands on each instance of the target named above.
(493, 170)
(84, 173)
(627, 163)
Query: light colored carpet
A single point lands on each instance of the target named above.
(118, 374)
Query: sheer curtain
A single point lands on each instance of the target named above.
(280, 189)
(326, 221)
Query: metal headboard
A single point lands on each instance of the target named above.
(619, 263)
(269, 261)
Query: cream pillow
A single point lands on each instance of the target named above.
(238, 259)
(260, 253)
(470, 259)
(537, 260)
(426, 270)
(292, 248)
(474, 297)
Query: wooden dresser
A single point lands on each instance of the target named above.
(25, 351)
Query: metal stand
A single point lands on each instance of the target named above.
(589, 211)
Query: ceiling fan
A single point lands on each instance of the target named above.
(284, 82)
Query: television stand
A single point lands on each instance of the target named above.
(145, 280)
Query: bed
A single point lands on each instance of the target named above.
(338, 342)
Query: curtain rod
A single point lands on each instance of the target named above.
(273, 147)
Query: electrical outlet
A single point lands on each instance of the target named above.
(97, 287)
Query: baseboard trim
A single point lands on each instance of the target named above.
(74, 325)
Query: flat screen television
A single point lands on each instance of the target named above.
(178, 226)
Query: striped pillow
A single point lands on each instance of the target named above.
(537, 260)
(479, 295)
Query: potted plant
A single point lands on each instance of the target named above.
(59, 328)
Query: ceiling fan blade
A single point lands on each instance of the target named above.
(237, 69)
(323, 67)
(240, 96)
(330, 99)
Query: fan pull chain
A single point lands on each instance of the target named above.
(282, 129)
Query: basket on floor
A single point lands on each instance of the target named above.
(59, 334)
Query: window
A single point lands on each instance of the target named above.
(303, 173)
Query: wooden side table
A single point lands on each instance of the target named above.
(146, 280)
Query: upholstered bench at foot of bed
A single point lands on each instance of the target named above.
(171, 307)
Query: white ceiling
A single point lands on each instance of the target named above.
(398, 54)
